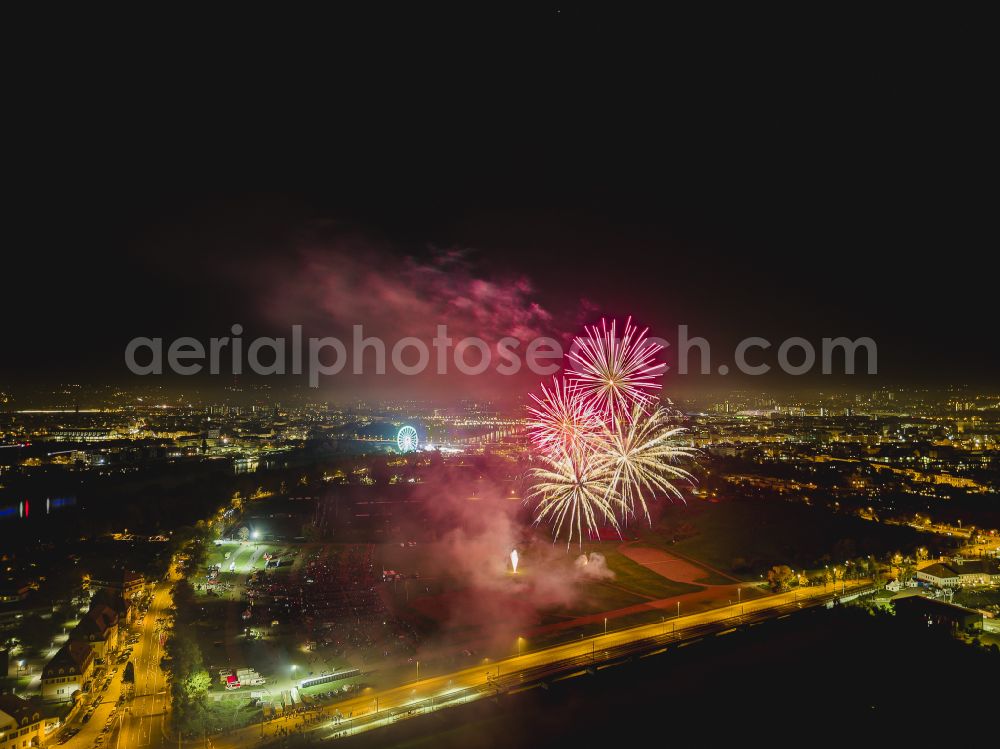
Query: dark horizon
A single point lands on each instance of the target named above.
(777, 219)
(198, 269)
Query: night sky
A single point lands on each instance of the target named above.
(816, 211)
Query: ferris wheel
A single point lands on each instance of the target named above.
(406, 439)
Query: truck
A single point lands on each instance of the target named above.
(250, 676)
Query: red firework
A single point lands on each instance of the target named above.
(615, 374)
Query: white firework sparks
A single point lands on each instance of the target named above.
(574, 489)
(643, 453)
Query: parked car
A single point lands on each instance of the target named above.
(68, 734)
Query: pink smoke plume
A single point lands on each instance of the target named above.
(331, 287)
(354, 282)
(488, 605)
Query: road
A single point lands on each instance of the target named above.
(439, 688)
(142, 722)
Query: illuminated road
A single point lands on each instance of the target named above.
(142, 722)
(479, 678)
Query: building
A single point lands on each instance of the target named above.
(68, 672)
(939, 575)
(124, 582)
(976, 571)
(962, 572)
(99, 629)
(14, 593)
(81, 435)
(22, 723)
(117, 602)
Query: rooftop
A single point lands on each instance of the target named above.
(72, 658)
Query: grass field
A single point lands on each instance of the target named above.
(219, 629)
(632, 584)
(748, 537)
(243, 553)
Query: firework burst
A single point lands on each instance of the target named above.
(643, 453)
(561, 417)
(616, 373)
(574, 490)
(605, 443)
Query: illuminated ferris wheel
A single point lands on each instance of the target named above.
(406, 439)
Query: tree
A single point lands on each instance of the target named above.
(128, 676)
(189, 682)
(874, 570)
(838, 573)
(197, 684)
(190, 716)
(779, 577)
(183, 595)
(185, 655)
